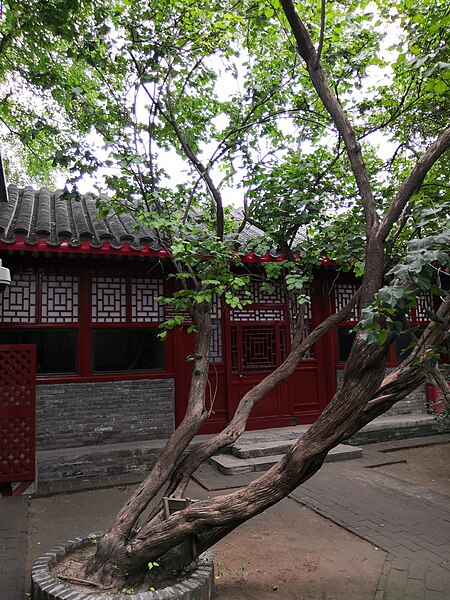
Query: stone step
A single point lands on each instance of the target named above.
(247, 450)
(400, 427)
(233, 465)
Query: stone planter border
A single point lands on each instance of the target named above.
(44, 586)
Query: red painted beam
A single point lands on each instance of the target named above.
(21, 245)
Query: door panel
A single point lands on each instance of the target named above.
(256, 350)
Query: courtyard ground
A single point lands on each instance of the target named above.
(289, 551)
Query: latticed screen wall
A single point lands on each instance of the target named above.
(17, 414)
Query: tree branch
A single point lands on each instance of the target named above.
(237, 425)
(319, 80)
(322, 32)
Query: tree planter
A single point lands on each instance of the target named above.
(198, 586)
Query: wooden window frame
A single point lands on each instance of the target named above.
(85, 324)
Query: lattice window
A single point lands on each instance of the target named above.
(216, 307)
(424, 303)
(109, 299)
(216, 341)
(257, 314)
(144, 307)
(259, 349)
(343, 293)
(18, 304)
(59, 299)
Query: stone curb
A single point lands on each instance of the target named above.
(44, 586)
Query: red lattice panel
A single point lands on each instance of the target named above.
(17, 413)
(259, 348)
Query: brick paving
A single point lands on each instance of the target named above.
(410, 523)
(13, 546)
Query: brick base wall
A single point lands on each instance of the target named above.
(415, 403)
(84, 414)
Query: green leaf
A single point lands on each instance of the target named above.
(440, 86)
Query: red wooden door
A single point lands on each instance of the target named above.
(256, 350)
(17, 414)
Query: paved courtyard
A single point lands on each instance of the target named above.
(407, 520)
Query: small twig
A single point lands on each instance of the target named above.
(81, 581)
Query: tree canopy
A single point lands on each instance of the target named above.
(220, 91)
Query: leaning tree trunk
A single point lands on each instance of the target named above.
(210, 520)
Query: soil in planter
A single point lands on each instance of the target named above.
(68, 572)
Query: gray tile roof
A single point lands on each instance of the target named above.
(41, 219)
(36, 215)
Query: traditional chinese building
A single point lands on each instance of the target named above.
(85, 294)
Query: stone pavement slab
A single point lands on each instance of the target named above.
(13, 546)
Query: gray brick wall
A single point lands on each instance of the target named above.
(84, 414)
(415, 403)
